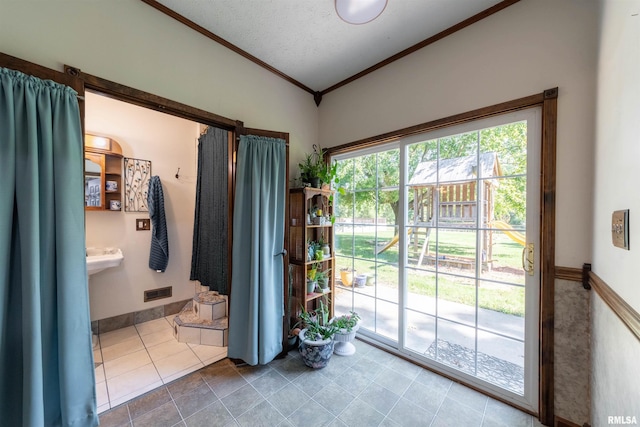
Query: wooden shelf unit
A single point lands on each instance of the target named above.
(301, 203)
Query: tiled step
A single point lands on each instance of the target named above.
(210, 305)
(203, 321)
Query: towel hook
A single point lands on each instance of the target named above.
(178, 174)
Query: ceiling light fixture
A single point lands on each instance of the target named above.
(359, 11)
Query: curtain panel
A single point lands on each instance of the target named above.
(256, 300)
(209, 257)
(46, 358)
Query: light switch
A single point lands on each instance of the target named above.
(620, 229)
(143, 224)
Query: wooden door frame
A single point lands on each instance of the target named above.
(547, 100)
(80, 81)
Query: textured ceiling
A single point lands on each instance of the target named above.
(307, 41)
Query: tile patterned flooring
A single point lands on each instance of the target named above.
(371, 388)
(134, 360)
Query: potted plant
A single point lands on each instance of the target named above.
(311, 168)
(322, 277)
(347, 324)
(311, 279)
(346, 275)
(316, 338)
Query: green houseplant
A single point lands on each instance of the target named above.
(347, 324)
(316, 338)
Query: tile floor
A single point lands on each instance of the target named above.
(371, 388)
(134, 360)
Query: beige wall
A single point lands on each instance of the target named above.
(128, 42)
(531, 46)
(170, 143)
(616, 371)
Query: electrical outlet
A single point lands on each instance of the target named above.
(143, 224)
(620, 229)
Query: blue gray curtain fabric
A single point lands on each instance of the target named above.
(256, 300)
(46, 357)
(210, 255)
(159, 253)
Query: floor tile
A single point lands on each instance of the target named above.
(128, 346)
(452, 412)
(195, 400)
(359, 413)
(209, 353)
(311, 382)
(102, 396)
(223, 380)
(148, 402)
(165, 415)
(151, 326)
(334, 398)
(166, 349)
(182, 373)
(468, 397)
(116, 417)
(132, 381)
(241, 400)
(393, 380)
(269, 383)
(288, 399)
(425, 397)
(507, 415)
(406, 413)
(99, 374)
(136, 393)
(261, 415)
(97, 355)
(102, 408)
(214, 415)
(379, 397)
(126, 363)
(158, 337)
(353, 381)
(177, 362)
(114, 337)
(185, 385)
(311, 414)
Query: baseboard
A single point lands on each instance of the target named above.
(129, 319)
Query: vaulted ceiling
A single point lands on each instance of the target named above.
(307, 43)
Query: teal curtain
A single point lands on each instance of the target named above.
(46, 358)
(256, 300)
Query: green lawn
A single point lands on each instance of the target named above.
(502, 298)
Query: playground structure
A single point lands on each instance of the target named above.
(448, 194)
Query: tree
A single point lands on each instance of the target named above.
(375, 177)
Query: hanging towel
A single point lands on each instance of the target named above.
(159, 256)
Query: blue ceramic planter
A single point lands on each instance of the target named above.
(315, 354)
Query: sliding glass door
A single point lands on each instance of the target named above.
(441, 230)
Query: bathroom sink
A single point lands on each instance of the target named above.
(99, 259)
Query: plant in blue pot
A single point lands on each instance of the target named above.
(316, 339)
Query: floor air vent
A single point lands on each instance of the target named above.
(154, 294)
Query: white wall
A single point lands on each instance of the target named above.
(616, 371)
(528, 47)
(129, 42)
(170, 143)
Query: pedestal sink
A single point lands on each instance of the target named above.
(99, 259)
